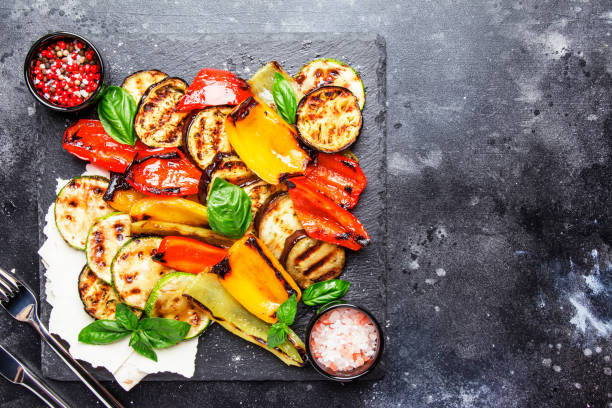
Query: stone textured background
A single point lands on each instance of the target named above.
(499, 143)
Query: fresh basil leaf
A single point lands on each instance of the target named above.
(229, 209)
(140, 343)
(125, 317)
(286, 311)
(325, 306)
(321, 293)
(116, 111)
(284, 98)
(102, 332)
(163, 333)
(277, 335)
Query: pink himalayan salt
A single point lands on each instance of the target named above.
(343, 339)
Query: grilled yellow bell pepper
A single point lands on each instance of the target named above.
(220, 306)
(264, 141)
(124, 200)
(169, 209)
(253, 276)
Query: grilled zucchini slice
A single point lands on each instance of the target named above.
(309, 260)
(262, 83)
(329, 71)
(328, 119)
(98, 297)
(158, 123)
(135, 273)
(138, 83)
(164, 228)
(166, 300)
(276, 221)
(77, 207)
(204, 135)
(104, 240)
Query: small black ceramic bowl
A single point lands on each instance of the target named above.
(31, 57)
(344, 376)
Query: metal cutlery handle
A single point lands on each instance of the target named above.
(85, 376)
(42, 390)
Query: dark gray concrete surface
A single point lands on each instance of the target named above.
(499, 144)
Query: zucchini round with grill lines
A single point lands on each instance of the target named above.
(77, 207)
(328, 119)
(166, 300)
(106, 237)
(138, 83)
(135, 273)
(204, 135)
(329, 71)
(98, 297)
(309, 260)
(158, 123)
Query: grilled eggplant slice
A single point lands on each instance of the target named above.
(166, 300)
(138, 83)
(77, 207)
(163, 228)
(259, 191)
(309, 260)
(204, 135)
(105, 238)
(158, 123)
(208, 293)
(328, 119)
(135, 273)
(276, 221)
(262, 83)
(328, 71)
(230, 168)
(98, 297)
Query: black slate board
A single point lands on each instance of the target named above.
(222, 356)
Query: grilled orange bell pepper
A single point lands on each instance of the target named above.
(188, 255)
(264, 141)
(255, 278)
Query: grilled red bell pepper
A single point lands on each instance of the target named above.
(322, 218)
(214, 87)
(337, 177)
(88, 140)
(188, 255)
(165, 172)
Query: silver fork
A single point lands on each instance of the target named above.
(19, 301)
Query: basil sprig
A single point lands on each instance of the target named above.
(116, 111)
(146, 334)
(285, 315)
(284, 98)
(229, 209)
(325, 292)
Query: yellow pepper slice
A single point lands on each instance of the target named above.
(255, 278)
(170, 209)
(264, 141)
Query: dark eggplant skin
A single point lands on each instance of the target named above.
(289, 243)
(207, 176)
(188, 125)
(301, 106)
(142, 71)
(264, 208)
(117, 182)
(143, 100)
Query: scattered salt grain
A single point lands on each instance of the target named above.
(344, 339)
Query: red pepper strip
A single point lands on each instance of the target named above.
(324, 219)
(188, 255)
(338, 178)
(88, 140)
(214, 87)
(163, 172)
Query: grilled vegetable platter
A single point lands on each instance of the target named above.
(228, 201)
